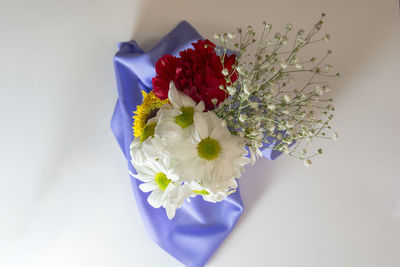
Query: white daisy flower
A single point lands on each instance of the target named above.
(211, 155)
(178, 120)
(159, 178)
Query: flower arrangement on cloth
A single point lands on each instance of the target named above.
(213, 105)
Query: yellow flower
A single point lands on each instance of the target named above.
(147, 110)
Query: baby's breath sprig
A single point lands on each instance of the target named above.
(266, 107)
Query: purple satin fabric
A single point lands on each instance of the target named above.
(199, 227)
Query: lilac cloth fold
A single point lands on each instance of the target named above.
(198, 227)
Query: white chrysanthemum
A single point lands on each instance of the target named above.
(211, 155)
(226, 189)
(159, 178)
(176, 195)
(177, 122)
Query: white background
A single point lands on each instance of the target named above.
(65, 197)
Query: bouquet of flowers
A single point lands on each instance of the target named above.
(214, 108)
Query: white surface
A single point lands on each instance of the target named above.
(65, 192)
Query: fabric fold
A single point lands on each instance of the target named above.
(199, 227)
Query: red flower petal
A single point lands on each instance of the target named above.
(197, 73)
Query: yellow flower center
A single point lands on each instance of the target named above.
(162, 181)
(209, 148)
(186, 118)
(202, 192)
(148, 131)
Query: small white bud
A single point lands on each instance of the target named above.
(231, 36)
(255, 105)
(318, 26)
(290, 124)
(328, 68)
(271, 127)
(214, 101)
(225, 72)
(326, 38)
(231, 90)
(286, 149)
(283, 64)
(287, 98)
(217, 36)
(247, 89)
(307, 162)
(326, 88)
(271, 106)
(242, 117)
(335, 136)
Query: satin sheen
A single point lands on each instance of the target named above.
(198, 227)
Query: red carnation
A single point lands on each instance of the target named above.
(197, 73)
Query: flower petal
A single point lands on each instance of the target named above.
(173, 96)
(201, 125)
(186, 100)
(200, 107)
(169, 130)
(147, 187)
(171, 210)
(156, 198)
